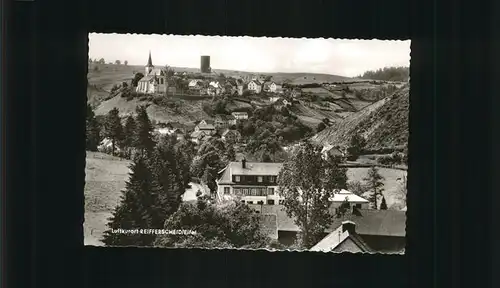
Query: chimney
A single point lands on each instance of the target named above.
(243, 163)
(349, 226)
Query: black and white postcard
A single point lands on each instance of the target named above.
(247, 143)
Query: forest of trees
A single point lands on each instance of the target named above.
(388, 74)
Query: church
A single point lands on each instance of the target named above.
(154, 80)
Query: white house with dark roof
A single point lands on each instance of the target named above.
(240, 115)
(208, 129)
(255, 86)
(346, 196)
(275, 88)
(252, 181)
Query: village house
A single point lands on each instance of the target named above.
(195, 84)
(280, 103)
(343, 239)
(254, 182)
(296, 92)
(344, 196)
(208, 129)
(240, 115)
(206, 122)
(224, 121)
(255, 86)
(198, 136)
(275, 88)
(154, 80)
(215, 88)
(232, 136)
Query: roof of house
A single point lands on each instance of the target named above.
(239, 113)
(252, 168)
(368, 221)
(336, 238)
(347, 195)
(256, 82)
(206, 127)
(208, 121)
(227, 131)
(147, 78)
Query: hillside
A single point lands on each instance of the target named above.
(188, 111)
(384, 124)
(105, 177)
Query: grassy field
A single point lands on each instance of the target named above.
(391, 183)
(105, 177)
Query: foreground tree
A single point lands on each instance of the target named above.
(226, 225)
(374, 184)
(136, 209)
(129, 135)
(93, 137)
(113, 128)
(307, 182)
(163, 164)
(138, 76)
(143, 139)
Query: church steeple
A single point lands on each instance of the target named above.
(149, 66)
(150, 63)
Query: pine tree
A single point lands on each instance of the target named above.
(129, 134)
(374, 183)
(143, 139)
(383, 204)
(93, 137)
(113, 128)
(135, 210)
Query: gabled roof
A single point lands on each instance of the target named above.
(344, 195)
(256, 82)
(230, 131)
(368, 221)
(252, 168)
(206, 127)
(337, 237)
(239, 113)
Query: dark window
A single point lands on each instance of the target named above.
(249, 202)
(270, 191)
(227, 190)
(237, 178)
(270, 202)
(358, 206)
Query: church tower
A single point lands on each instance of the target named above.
(149, 66)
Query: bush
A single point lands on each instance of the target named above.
(393, 159)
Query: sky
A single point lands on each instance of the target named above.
(253, 54)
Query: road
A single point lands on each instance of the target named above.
(190, 194)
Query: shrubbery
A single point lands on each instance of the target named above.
(393, 159)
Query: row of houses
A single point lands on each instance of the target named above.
(359, 230)
(206, 128)
(231, 86)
